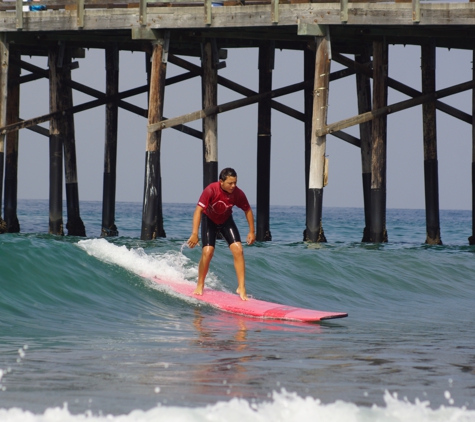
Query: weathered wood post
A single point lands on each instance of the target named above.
(471, 239)
(308, 74)
(363, 91)
(431, 173)
(209, 88)
(266, 66)
(74, 223)
(4, 62)
(378, 231)
(110, 149)
(152, 215)
(55, 149)
(314, 229)
(11, 159)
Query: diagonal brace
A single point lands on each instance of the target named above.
(398, 86)
(122, 104)
(403, 105)
(232, 105)
(233, 86)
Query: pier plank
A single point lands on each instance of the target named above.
(100, 16)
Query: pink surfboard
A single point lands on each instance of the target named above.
(232, 303)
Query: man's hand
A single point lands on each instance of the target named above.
(193, 240)
(251, 238)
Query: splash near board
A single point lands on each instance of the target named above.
(232, 303)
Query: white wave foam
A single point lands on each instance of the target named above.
(169, 265)
(284, 407)
(172, 265)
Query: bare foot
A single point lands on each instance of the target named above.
(198, 290)
(242, 294)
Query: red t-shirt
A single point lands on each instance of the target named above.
(218, 204)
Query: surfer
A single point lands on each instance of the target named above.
(214, 211)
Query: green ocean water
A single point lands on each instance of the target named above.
(80, 322)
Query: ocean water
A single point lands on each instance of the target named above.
(85, 335)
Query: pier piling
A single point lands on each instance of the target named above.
(264, 110)
(74, 225)
(209, 84)
(378, 233)
(363, 91)
(471, 239)
(314, 229)
(308, 74)
(431, 174)
(110, 148)
(4, 64)
(55, 148)
(11, 158)
(152, 215)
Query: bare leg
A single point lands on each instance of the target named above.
(203, 267)
(240, 267)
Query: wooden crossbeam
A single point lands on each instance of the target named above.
(78, 86)
(233, 86)
(82, 107)
(38, 129)
(34, 76)
(46, 117)
(403, 105)
(398, 86)
(24, 79)
(353, 140)
(122, 104)
(180, 78)
(232, 105)
(44, 73)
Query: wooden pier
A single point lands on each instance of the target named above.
(354, 34)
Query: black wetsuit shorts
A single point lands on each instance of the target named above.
(209, 231)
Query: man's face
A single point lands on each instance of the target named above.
(229, 184)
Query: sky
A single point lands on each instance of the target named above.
(181, 156)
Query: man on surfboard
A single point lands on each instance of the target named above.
(214, 211)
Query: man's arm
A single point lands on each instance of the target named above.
(251, 236)
(194, 239)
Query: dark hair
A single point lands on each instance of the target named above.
(227, 172)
